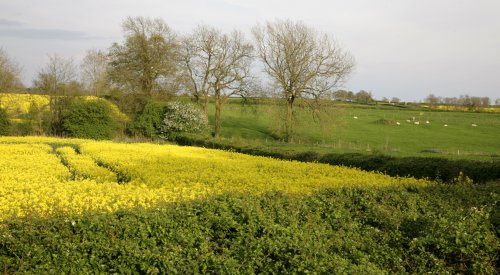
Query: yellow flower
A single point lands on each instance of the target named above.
(104, 176)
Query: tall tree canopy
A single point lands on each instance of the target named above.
(58, 80)
(304, 64)
(216, 65)
(94, 72)
(147, 58)
(10, 72)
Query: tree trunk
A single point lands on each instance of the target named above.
(205, 103)
(218, 121)
(288, 121)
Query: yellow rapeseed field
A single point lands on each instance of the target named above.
(20, 104)
(44, 176)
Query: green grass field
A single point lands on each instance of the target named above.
(375, 129)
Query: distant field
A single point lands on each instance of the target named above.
(386, 129)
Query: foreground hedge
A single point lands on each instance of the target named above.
(433, 168)
(439, 229)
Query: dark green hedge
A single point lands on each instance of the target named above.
(149, 121)
(90, 119)
(420, 167)
(440, 169)
(440, 229)
(4, 123)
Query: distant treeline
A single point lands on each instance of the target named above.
(463, 100)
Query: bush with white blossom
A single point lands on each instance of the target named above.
(182, 117)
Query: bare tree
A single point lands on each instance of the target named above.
(197, 58)
(54, 77)
(147, 57)
(485, 101)
(58, 80)
(9, 74)
(217, 65)
(94, 72)
(305, 64)
(431, 99)
(364, 97)
(395, 100)
(342, 95)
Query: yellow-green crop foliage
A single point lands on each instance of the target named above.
(21, 103)
(45, 176)
(16, 104)
(83, 166)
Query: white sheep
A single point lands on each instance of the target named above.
(409, 121)
(427, 122)
(397, 123)
(474, 125)
(446, 125)
(355, 117)
(417, 122)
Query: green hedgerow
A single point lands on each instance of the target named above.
(4, 123)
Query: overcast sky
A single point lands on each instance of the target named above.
(403, 48)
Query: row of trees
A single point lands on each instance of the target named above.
(349, 96)
(10, 73)
(463, 100)
(154, 62)
(302, 65)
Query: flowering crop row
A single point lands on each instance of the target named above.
(83, 166)
(170, 165)
(35, 181)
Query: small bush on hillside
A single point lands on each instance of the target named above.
(90, 119)
(4, 123)
(150, 120)
(182, 117)
(21, 127)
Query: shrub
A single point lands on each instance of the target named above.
(182, 117)
(90, 119)
(21, 127)
(150, 120)
(4, 123)
(439, 229)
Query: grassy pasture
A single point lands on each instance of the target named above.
(375, 129)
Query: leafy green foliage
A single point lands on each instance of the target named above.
(150, 120)
(90, 119)
(4, 123)
(438, 229)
